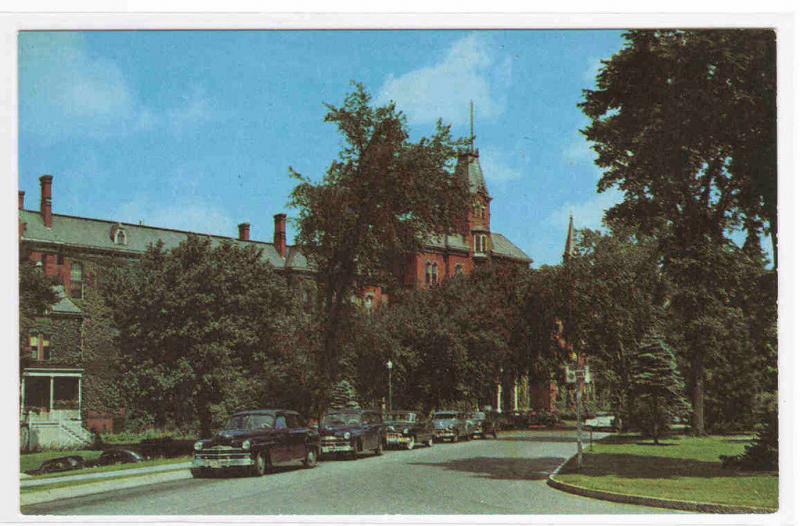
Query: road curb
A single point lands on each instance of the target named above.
(31, 483)
(44, 494)
(682, 505)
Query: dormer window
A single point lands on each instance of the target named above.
(118, 235)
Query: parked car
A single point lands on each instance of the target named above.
(57, 465)
(484, 423)
(257, 441)
(350, 432)
(450, 425)
(118, 456)
(406, 429)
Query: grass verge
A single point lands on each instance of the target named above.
(117, 467)
(681, 468)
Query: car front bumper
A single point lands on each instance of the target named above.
(398, 440)
(222, 463)
(337, 446)
(444, 433)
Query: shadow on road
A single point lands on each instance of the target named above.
(500, 468)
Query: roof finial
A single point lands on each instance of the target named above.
(471, 127)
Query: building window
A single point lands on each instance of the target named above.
(369, 300)
(481, 244)
(119, 237)
(40, 347)
(435, 273)
(483, 212)
(76, 280)
(60, 259)
(459, 270)
(428, 272)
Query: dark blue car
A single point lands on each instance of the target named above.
(350, 432)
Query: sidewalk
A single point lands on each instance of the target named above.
(90, 487)
(29, 482)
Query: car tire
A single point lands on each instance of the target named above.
(311, 458)
(379, 449)
(429, 443)
(261, 466)
(410, 444)
(455, 438)
(494, 435)
(199, 473)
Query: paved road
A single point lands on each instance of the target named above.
(478, 477)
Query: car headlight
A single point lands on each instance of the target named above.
(198, 445)
(347, 436)
(246, 444)
(405, 430)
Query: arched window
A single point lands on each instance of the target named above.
(435, 273)
(119, 237)
(459, 269)
(369, 301)
(483, 212)
(428, 271)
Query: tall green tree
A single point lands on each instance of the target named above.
(684, 124)
(657, 387)
(204, 330)
(383, 197)
(619, 291)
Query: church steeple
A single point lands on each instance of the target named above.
(569, 248)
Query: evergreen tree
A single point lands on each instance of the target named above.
(657, 387)
(343, 395)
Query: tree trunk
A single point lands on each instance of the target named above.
(697, 382)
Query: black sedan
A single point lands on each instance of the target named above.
(256, 441)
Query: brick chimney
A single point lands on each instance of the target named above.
(279, 237)
(244, 231)
(47, 200)
(21, 200)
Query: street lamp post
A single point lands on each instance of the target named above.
(389, 365)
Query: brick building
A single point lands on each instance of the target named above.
(62, 382)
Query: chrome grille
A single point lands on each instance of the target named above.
(222, 452)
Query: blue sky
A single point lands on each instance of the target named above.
(196, 130)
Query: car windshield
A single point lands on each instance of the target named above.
(401, 417)
(442, 416)
(341, 419)
(251, 422)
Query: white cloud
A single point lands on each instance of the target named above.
(65, 91)
(445, 89)
(495, 169)
(578, 151)
(588, 213)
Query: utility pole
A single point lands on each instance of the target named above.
(579, 415)
(389, 366)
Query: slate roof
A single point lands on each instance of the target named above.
(64, 305)
(95, 234)
(469, 162)
(503, 247)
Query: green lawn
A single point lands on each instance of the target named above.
(683, 468)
